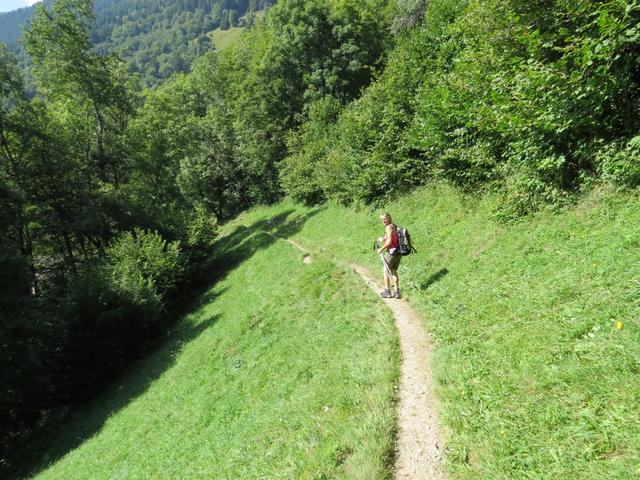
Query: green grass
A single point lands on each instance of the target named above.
(224, 38)
(285, 370)
(534, 379)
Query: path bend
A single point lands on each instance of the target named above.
(419, 444)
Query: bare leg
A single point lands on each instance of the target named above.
(395, 280)
(387, 280)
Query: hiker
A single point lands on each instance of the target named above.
(391, 257)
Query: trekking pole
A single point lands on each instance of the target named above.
(376, 246)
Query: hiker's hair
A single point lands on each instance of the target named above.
(385, 216)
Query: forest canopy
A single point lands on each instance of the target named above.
(156, 38)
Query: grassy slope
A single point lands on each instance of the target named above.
(534, 377)
(285, 370)
(223, 38)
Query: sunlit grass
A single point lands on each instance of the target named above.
(536, 326)
(537, 361)
(286, 370)
(224, 38)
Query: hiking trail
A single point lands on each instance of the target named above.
(419, 445)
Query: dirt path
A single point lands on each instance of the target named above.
(419, 442)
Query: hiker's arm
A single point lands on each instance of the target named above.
(387, 242)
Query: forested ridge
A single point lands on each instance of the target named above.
(156, 38)
(110, 193)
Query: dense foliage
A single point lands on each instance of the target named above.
(87, 279)
(111, 194)
(156, 38)
(538, 99)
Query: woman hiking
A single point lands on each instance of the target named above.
(391, 258)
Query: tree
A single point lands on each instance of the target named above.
(65, 66)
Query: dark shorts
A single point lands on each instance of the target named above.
(392, 260)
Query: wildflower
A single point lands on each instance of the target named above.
(619, 325)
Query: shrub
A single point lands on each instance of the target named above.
(117, 304)
(139, 261)
(201, 235)
(620, 164)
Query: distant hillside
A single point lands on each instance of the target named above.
(156, 37)
(223, 38)
(11, 24)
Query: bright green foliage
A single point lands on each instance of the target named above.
(144, 259)
(201, 235)
(621, 165)
(526, 97)
(241, 99)
(66, 68)
(308, 60)
(319, 49)
(373, 154)
(302, 171)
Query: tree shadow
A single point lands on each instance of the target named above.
(55, 441)
(58, 439)
(433, 278)
(245, 241)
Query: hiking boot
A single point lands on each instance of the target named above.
(397, 294)
(386, 293)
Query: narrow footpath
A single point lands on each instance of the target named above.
(419, 443)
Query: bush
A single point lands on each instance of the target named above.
(142, 261)
(620, 164)
(117, 304)
(201, 235)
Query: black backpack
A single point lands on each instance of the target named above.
(404, 241)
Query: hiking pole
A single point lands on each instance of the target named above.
(387, 269)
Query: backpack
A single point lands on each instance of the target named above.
(404, 241)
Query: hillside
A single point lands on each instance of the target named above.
(11, 24)
(282, 369)
(507, 133)
(155, 37)
(535, 327)
(223, 38)
(535, 324)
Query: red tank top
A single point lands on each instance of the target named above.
(394, 238)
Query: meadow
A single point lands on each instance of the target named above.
(287, 370)
(535, 323)
(283, 370)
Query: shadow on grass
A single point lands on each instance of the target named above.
(133, 382)
(245, 241)
(433, 278)
(230, 251)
